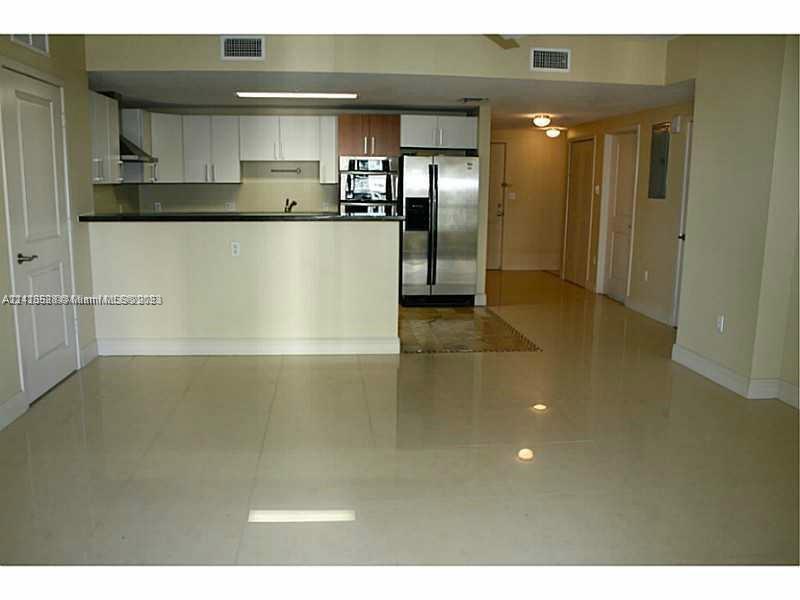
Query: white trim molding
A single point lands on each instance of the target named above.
(789, 393)
(480, 299)
(12, 409)
(754, 389)
(88, 353)
(253, 346)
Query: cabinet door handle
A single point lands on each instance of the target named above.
(441, 136)
(365, 144)
(206, 172)
(155, 172)
(214, 172)
(373, 145)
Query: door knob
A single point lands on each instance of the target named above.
(682, 237)
(21, 258)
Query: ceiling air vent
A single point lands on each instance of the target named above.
(550, 59)
(242, 47)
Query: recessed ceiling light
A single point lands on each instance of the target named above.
(552, 132)
(300, 516)
(539, 407)
(541, 120)
(332, 95)
(525, 454)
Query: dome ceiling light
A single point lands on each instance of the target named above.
(552, 132)
(541, 120)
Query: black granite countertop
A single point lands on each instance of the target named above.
(226, 216)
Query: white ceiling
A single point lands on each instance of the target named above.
(513, 100)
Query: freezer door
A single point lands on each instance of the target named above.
(455, 225)
(416, 174)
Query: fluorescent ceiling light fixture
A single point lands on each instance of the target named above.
(552, 132)
(300, 516)
(541, 120)
(331, 95)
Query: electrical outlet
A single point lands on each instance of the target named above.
(646, 275)
(230, 206)
(236, 248)
(157, 206)
(721, 323)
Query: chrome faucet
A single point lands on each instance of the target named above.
(287, 208)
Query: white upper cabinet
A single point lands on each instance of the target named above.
(431, 131)
(299, 138)
(328, 155)
(104, 115)
(211, 149)
(279, 138)
(418, 131)
(259, 138)
(458, 132)
(196, 149)
(225, 165)
(167, 146)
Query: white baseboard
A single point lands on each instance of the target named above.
(790, 394)
(222, 346)
(640, 308)
(88, 353)
(12, 409)
(754, 389)
(480, 299)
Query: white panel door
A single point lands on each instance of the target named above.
(620, 214)
(299, 138)
(225, 165)
(419, 131)
(328, 155)
(258, 138)
(457, 132)
(167, 147)
(196, 148)
(33, 161)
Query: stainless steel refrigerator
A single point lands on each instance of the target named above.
(440, 231)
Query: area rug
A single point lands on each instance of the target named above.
(468, 329)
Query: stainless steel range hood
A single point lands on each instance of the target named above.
(130, 152)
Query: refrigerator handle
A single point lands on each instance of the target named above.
(434, 220)
(429, 274)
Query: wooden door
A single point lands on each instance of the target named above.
(497, 168)
(35, 182)
(353, 135)
(579, 210)
(384, 135)
(621, 197)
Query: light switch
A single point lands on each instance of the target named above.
(512, 195)
(157, 206)
(230, 206)
(597, 189)
(235, 249)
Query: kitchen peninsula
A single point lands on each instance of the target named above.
(246, 283)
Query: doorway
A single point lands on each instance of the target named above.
(497, 202)
(619, 202)
(38, 228)
(579, 211)
(687, 159)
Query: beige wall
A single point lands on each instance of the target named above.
(733, 154)
(66, 61)
(656, 225)
(791, 353)
(260, 190)
(533, 225)
(781, 234)
(293, 281)
(608, 59)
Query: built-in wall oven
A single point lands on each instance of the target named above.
(368, 185)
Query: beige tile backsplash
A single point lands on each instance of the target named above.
(265, 187)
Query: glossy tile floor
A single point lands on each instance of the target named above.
(637, 459)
